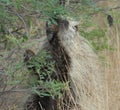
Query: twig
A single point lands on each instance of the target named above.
(11, 53)
(117, 7)
(18, 90)
(29, 90)
(20, 17)
(16, 30)
(26, 8)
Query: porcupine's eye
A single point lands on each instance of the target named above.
(74, 25)
(76, 28)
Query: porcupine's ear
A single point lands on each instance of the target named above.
(62, 24)
(53, 28)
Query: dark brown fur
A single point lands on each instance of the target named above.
(59, 54)
(62, 65)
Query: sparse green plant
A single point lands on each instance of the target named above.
(43, 66)
(51, 88)
(14, 16)
(16, 73)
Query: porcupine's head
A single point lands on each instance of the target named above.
(61, 30)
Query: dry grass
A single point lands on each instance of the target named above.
(112, 63)
(113, 69)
